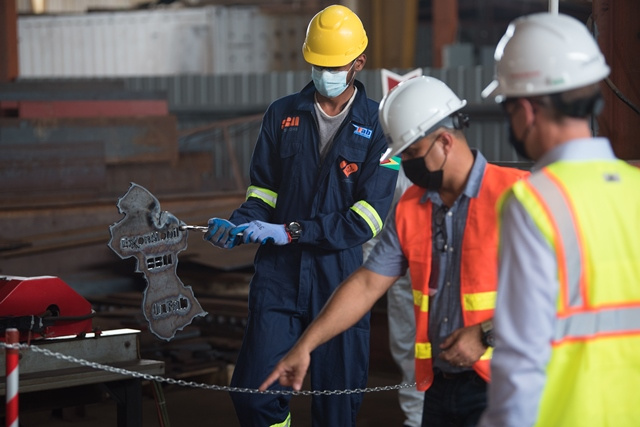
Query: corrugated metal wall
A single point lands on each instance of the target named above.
(252, 93)
(215, 62)
(199, 100)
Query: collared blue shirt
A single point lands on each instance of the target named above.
(387, 259)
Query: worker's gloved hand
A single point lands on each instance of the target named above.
(218, 233)
(263, 232)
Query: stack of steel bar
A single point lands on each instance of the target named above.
(205, 347)
(70, 149)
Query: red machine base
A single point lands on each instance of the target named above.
(42, 307)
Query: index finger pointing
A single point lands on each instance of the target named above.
(275, 374)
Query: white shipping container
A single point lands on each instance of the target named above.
(73, 6)
(208, 40)
(280, 41)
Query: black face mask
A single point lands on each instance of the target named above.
(518, 144)
(417, 172)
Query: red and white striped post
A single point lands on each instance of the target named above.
(12, 357)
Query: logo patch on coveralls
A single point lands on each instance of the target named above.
(362, 131)
(348, 168)
(391, 163)
(290, 122)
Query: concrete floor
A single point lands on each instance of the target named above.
(195, 407)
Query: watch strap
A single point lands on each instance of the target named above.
(487, 333)
(293, 230)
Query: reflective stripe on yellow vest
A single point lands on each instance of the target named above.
(589, 213)
(478, 270)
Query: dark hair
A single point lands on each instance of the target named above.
(578, 103)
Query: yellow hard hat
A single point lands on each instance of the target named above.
(335, 37)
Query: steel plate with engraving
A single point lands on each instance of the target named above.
(154, 237)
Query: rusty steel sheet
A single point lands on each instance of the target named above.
(92, 108)
(127, 139)
(62, 89)
(154, 238)
(52, 168)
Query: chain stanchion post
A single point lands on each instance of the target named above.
(12, 359)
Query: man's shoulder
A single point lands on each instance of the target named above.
(373, 105)
(295, 100)
(286, 101)
(497, 179)
(363, 100)
(412, 194)
(508, 171)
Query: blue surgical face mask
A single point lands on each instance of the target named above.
(330, 83)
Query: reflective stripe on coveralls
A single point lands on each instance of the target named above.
(264, 194)
(362, 208)
(593, 372)
(369, 214)
(478, 269)
(285, 423)
(291, 283)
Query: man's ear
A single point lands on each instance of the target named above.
(360, 62)
(447, 140)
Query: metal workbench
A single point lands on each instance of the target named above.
(117, 348)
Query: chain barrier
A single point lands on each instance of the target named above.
(194, 384)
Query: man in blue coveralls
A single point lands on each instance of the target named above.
(318, 192)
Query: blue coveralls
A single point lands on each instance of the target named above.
(340, 203)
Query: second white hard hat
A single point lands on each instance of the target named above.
(413, 109)
(545, 53)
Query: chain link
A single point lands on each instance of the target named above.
(194, 384)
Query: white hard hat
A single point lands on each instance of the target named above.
(545, 53)
(413, 109)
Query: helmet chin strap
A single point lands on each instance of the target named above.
(443, 162)
(429, 150)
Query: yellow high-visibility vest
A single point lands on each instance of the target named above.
(589, 214)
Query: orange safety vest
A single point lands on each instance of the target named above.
(479, 261)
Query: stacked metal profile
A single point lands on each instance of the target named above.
(69, 150)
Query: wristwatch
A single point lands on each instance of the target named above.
(293, 230)
(488, 340)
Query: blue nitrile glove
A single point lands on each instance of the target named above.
(218, 233)
(263, 232)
